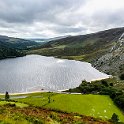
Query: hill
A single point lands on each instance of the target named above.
(89, 47)
(113, 61)
(6, 52)
(12, 47)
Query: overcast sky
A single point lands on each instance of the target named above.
(51, 18)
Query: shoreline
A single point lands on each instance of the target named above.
(45, 91)
(37, 91)
(24, 93)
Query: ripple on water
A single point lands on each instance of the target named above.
(35, 72)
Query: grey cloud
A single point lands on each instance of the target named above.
(63, 29)
(112, 18)
(25, 11)
(32, 18)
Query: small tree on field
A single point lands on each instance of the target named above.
(7, 96)
(49, 97)
(115, 118)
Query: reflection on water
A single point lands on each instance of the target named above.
(35, 72)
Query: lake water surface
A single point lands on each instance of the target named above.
(35, 72)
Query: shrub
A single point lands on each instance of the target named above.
(7, 96)
(34, 120)
(105, 83)
(10, 105)
(114, 118)
(122, 76)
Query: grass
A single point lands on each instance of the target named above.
(98, 106)
(78, 58)
(23, 113)
(21, 105)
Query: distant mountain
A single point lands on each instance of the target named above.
(58, 38)
(16, 43)
(39, 40)
(42, 40)
(89, 47)
(12, 47)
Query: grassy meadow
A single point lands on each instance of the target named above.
(48, 108)
(98, 106)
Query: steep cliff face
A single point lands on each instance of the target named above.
(113, 62)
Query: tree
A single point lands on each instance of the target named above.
(122, 76)
(105, 83)
(7, 96)
(115, 118)
(49, 98)
(111, 84)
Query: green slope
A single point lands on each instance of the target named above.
(88, 47)
(6, 52)
(12, 47)
(99, 106)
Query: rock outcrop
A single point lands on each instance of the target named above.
(113, 62)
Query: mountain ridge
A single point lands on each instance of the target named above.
(89, 47)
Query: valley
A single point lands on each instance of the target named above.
(61, 61)
(33, 71)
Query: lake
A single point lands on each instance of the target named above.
(35, 73)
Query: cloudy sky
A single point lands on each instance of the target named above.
(51, 18)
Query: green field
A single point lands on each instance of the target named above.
(99, 106)
(21, 105)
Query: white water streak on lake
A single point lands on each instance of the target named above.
(35, 72)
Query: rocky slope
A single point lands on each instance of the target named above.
(113, 62)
